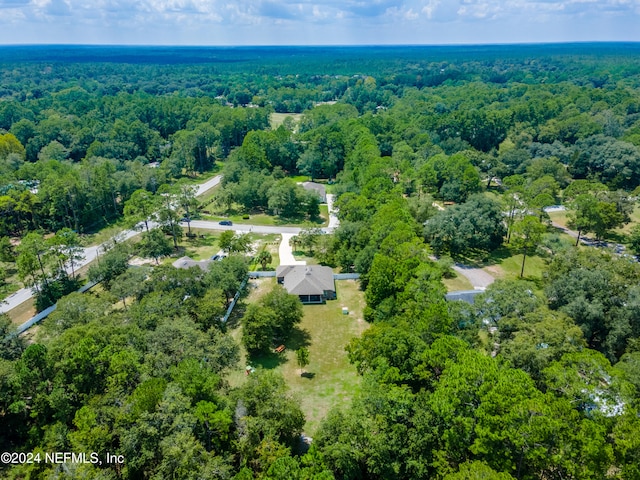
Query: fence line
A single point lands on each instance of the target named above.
(235, 299)
(346, 276)
(47, 311)
(262, 274)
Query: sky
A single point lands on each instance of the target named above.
(319, 22)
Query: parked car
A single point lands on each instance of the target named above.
(226, 222)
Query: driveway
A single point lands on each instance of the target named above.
(333, 217)
(286, 253)
(208, 185)
(477, 276)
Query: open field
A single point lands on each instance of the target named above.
(329, 379)
(276, 119)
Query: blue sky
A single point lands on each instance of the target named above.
(323, 22)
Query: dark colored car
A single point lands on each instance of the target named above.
(226, 222)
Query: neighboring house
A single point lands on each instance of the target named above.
(312, 283)
(317, 188)
(186, 262)
(464, 295)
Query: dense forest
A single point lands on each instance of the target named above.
(436, 155)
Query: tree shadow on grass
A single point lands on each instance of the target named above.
(269, 360)
(201, 239)
(481, 258)
(298, 338)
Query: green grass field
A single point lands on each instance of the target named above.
(276, 119)
(457, 283)
(510, 267)
(559, 217)
(200, 248)
(329, 380)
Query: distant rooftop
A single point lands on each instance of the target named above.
(186, 263)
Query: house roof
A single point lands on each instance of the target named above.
(186, 262)
(306, 279)
(316, 187)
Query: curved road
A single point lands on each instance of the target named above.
(91, 253)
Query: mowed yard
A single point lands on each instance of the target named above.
(329, 380)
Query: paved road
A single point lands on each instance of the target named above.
(590, 242)
(91, 253)
(242, 227)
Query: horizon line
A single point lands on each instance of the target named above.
(354, 45)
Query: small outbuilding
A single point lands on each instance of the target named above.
(311, 283)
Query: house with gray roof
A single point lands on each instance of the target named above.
(312, 283)
(186, 263)
(318, 188)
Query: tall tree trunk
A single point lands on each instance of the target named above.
(578, 239)
(524, 257)
(173, 234)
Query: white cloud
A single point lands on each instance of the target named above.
(317, 21)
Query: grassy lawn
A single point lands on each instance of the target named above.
(23, 312)
(329, 379)
(559, 217)
(271, 243)
(276, 119)
(104, 234)
(457, 283)
(635, 219)
(207, 197)
(203, 248)
(200, 248)
(509, 267)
